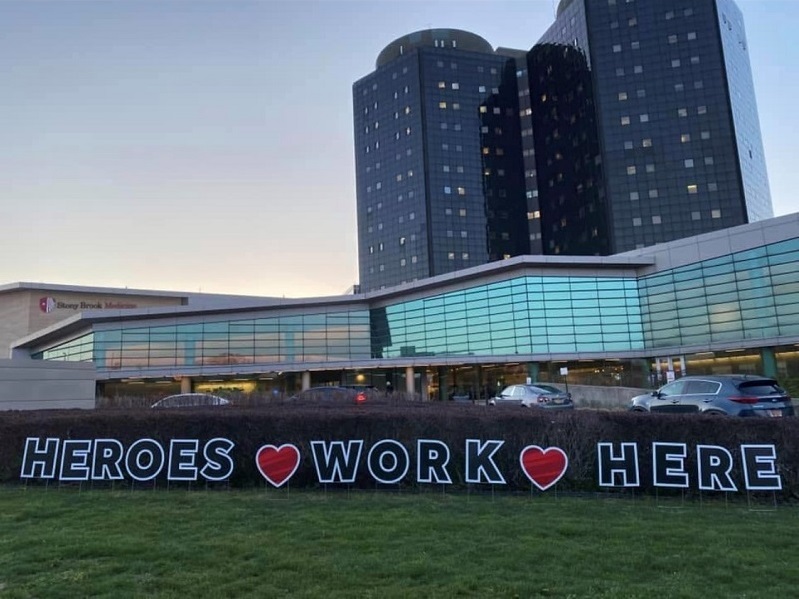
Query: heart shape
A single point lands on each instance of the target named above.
(544, 467)
(277, 464)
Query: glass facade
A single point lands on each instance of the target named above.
(665, 116)
(323, 337)
(743, 296)
(629, 123)
(732, 312)
(744, 111)
(525, 315)
(438, 164)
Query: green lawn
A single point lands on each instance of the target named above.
(70, 543)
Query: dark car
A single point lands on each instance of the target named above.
(732, 395)
(190, 400)
(538, 395)
(332, 394)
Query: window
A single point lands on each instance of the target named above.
(694, 60)
(705, 135)
(616, 48)
(653, 193)
(447, 189)
(691, 35)
(701, 110)
(644, 118)
(712, 186)
(646, 142)
(692, 189)
(631, 170)
(672, 39)
(634, 195)
(456, 86)
(635, 45)
(442, 105)
(650, 168)
(628, 145)
(715, 213)
(625, 120)
(685, 138)
(619, 72)
(638, 69)
(695, 216)
(709, 160)
(622, 96)
(689, 163)
(637, 222)
(675, 63)
(682, 112)
(656, 219)
(461, 191)
(442, 85)
(679, 87)
(641, 93)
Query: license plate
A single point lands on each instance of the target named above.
(557, 401)
(774, 413)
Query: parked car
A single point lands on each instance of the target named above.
(334, 394)
(733, 395)
(190, 400)
(538, 395)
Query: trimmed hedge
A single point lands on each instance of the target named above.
(576, 433)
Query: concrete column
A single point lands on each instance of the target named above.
(409, 380)
(185, 385)
(443, 383)
(306, 380)
(533, 369)
(769, 362)
(423, 385)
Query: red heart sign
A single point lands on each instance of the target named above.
(544, 467)
(277, 464)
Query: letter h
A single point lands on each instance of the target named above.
(625, 464)
(38, 459)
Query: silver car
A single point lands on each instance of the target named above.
(733, 395)
(190, 400)
(538, 395)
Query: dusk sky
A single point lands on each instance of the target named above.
(207, 145)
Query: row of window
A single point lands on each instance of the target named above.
(749, 294)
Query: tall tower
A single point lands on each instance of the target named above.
(680, 151)
(439, 178)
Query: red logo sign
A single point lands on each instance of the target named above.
(46, 304)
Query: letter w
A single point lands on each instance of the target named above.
(336, 462)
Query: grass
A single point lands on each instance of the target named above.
(104, 543)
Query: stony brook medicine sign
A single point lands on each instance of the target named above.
(750, 467)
